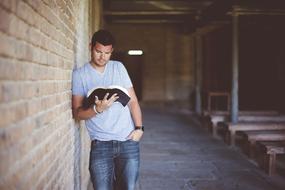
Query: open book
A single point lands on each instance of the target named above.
(100, 92)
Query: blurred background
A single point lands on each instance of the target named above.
(231, 52)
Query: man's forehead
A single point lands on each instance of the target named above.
(102, 47)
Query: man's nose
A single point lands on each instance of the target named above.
(103, 55)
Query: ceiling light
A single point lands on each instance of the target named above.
(135, 52)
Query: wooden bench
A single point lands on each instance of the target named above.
(251, 137)
(210, 120)
(249, 126)
(269, 150)
(216, 117)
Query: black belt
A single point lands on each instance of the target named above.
(94, 141)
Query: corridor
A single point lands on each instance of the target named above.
(197, 54)
(178, 154)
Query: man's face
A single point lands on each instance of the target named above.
(101, 54)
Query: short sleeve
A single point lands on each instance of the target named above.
(77, 84)
(125, 77)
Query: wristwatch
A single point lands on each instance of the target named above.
(139, 128)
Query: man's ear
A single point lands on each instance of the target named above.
(90, 46)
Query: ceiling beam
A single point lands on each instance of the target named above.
(147, 21)
(147, 13)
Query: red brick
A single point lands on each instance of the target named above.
(9, 5)
(27, 13)
(69, 14)
(5, 20)
(7, 45)
(8, 114)
(6, 69)
(35, 37)
(35, 4)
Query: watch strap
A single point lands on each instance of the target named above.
(139, 128)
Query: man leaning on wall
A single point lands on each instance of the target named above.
(115, 130)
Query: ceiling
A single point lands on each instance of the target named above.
(138, 11)
(178, 11)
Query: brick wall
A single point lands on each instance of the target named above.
(41, 147)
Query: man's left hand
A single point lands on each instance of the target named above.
(135, 135)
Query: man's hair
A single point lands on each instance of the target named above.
(103, 37)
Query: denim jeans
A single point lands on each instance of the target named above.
(114, 165)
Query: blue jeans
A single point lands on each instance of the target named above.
(114, 165)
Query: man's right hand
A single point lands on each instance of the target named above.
(102, 105)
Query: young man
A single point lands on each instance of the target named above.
(115, 130)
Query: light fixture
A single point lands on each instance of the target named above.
(135, 52)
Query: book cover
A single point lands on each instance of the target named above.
(100, 92)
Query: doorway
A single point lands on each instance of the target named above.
(134, 66)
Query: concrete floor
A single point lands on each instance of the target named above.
(177, 153)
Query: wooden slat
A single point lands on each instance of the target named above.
(262, 118)
(263, 135)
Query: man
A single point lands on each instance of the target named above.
(115, 130)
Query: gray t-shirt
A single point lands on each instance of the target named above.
(116, 122)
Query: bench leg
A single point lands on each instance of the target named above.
(248, 148)
(251, 149)
(227, 137)
(215, 128)
(261, 159)
(245, 147)
(232, 138)
(270, 164)
(209, 126)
